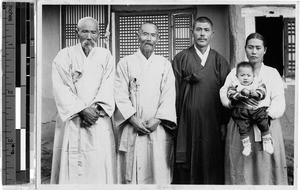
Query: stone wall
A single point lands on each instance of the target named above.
(287, 124)
(46, 150)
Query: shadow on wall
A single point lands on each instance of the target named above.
(287, 121)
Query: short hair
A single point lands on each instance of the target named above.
(148, 22)
(244, 64)
(85, 19)
(256, 36)
(203, 19)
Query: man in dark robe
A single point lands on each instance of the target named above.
(200, 72)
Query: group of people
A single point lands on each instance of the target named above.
(146, 120)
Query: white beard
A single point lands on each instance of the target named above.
(147, 52)
(88, 46)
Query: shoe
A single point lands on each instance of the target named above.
(247, 146)
(268, 144)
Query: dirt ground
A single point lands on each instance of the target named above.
(287, 122)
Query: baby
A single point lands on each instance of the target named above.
(245, 113)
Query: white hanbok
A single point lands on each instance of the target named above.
(83, 155)
(259, 168)
(145, 87)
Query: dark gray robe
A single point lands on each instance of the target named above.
(200, 115)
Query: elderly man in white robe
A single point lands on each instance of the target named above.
(145, 115)
(83, 79)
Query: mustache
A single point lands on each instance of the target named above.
(87, 43)
(149, 43)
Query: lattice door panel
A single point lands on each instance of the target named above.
(128, 27)
(289, 46)
(181, 32)
(75, 12)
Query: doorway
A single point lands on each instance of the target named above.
(272, 29)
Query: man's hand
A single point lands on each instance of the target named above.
(152, 124)
(90, 115)
(139, 125)
(85, 124)
(102, 113)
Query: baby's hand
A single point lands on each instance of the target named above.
(245, 92)
(254, 95)
(240, 96)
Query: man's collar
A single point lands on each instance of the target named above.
(139, 52)
(199, 52)
(81, 49)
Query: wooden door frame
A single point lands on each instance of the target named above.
(192, 11)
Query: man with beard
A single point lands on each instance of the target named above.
(83, 79)
(200, 72)
(145, 114)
